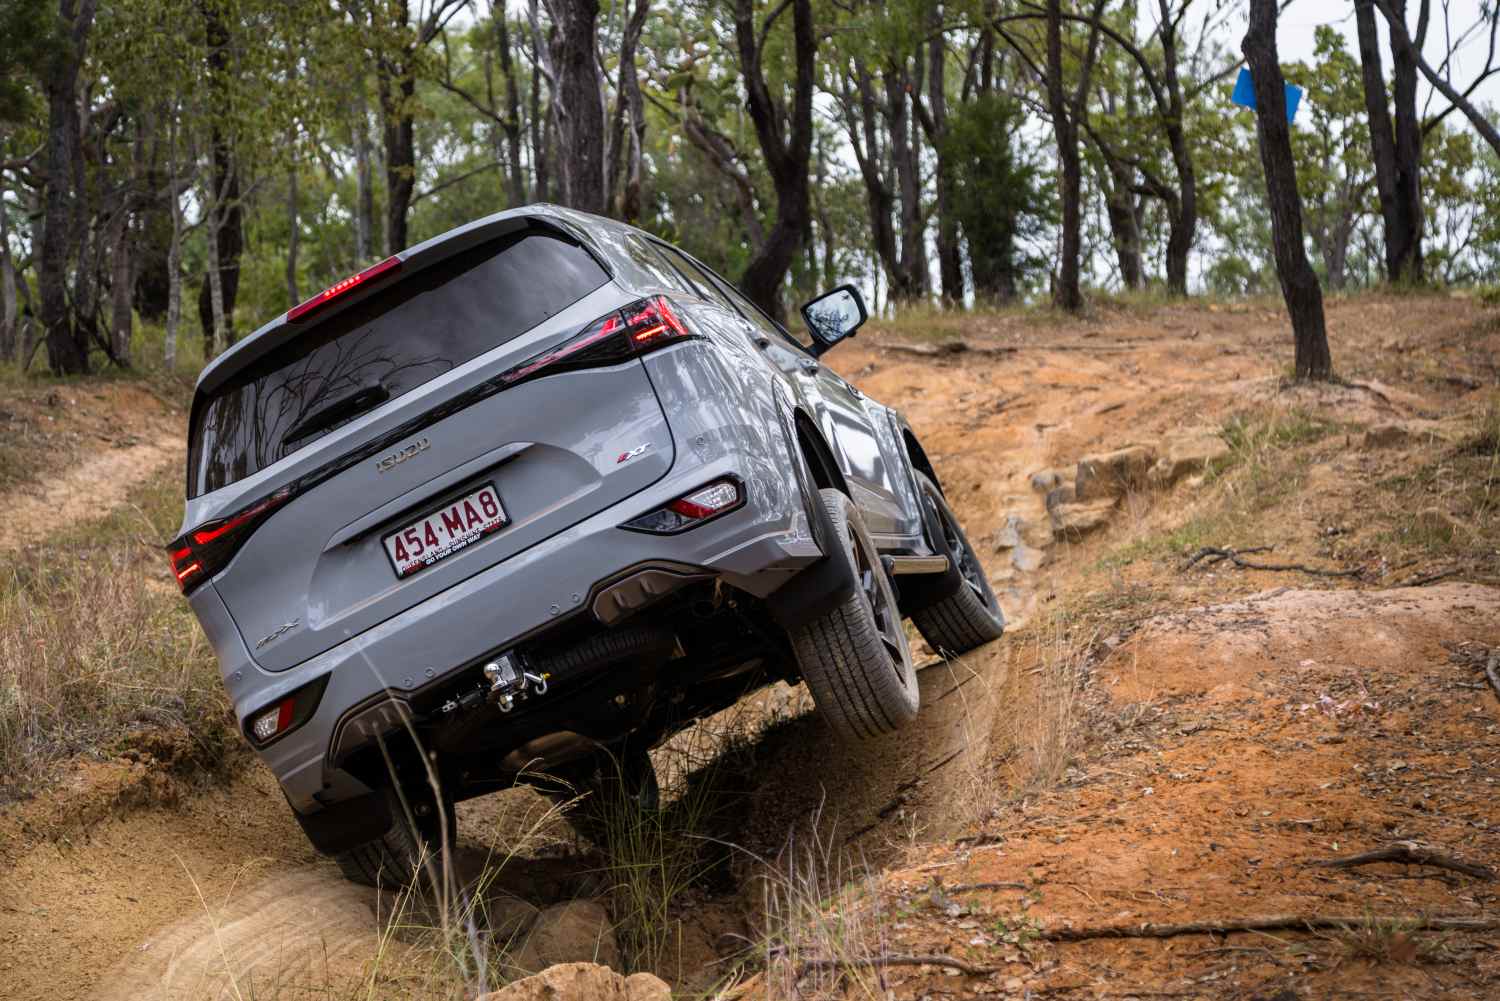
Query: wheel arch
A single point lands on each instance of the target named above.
(918, 455)
(821, 464)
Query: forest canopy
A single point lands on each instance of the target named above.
(174, 172)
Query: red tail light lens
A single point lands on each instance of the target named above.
(332, 292)
(691, 510)
(203, 551)
(641, 327)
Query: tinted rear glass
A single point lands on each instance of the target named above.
(393, 342)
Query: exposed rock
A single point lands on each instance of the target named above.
(578, 931)
(1026, 559)
(1045, 480)
(508, 917)
(1113, 473)
(1060, 495)
(582, 982)
(1071, 521)
(1188, 454)
(1008, 535)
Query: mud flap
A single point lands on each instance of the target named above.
(820, 588)
(919, 591)
(340, 827)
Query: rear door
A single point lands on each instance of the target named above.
(423, 423)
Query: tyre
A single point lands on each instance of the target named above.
(969, 617)
(410, 845)
(855, 658)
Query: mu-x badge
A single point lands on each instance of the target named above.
(401, 455)
(281, 631)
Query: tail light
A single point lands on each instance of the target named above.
(199, 554)
(691, 510)
(641, 327)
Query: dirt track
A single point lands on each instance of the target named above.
(206, 896)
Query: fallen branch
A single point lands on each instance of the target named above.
(1275, 922)
(1234, 556)
(981, 887)
(1431, 578)
(1490, 671)
(1409, 853)
(814, 965)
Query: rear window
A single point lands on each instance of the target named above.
(393, 342)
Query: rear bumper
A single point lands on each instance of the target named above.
(758, 548)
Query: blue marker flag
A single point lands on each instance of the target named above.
(1244, 95)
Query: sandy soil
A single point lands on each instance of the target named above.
(1235, 726)
(90, 447)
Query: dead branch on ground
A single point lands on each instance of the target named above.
(814, 965)
(1274, 922)
(1408, 853)
(1214, 554)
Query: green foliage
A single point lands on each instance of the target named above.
(1001, 199)
(27, 27)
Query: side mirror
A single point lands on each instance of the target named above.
(834, 315)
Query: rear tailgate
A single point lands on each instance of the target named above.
(317, 571)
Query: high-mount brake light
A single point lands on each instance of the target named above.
(643, 326)
(337, 289)
(203, 551)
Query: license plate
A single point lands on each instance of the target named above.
(445, 531)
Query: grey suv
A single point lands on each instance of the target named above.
(522, 501)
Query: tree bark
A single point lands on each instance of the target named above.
(67, 340)
(9, 304)
(174, 267)
(364, 213)
(1403, 236)
(628, 128)
(1122, 208)
(1067, 293)
(216, 309)
(1299, 283)
(1183, 217)
(950, 263)
(120, 283)
(578, 103)
(294, 231)
(514, 181)
(786, 147)
(397, 88)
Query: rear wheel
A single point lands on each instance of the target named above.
(970, 616)
(412, 842)
(855, 658)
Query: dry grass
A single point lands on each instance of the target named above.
(97, 648)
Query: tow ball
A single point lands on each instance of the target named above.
(510, 682)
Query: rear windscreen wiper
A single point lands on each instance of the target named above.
(340, 410)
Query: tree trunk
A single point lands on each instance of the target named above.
(1408, 151)
(364, 214)
(628, 129)
(216, 307)
(514, 180)
(397, 89)
(1122, 210)
(950, 264)
(9, 305)
(174, 268)
(294, 231)
(1299, 283)
(580, 112)
(1403, 238)
(120, 287)
(67, 341)
(214, 339)
(787, 153)
(1066, 293)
